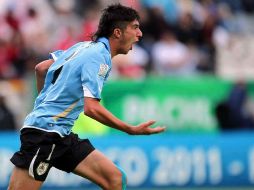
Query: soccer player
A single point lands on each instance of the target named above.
(73, 84)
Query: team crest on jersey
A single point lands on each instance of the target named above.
(103, 70)
(42, 168)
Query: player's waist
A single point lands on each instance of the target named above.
(62, 132)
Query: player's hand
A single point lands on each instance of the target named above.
(146, 129)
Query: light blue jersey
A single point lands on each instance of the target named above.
(78, 72)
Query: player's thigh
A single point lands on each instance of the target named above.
(98, 168)
(20, 180)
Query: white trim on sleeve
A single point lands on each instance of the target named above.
(53, 56)
(87, 92)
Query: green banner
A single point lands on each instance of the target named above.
(180, 104)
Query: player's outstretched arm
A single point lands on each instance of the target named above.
(96, 111)
(41, 71)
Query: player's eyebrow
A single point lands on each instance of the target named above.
(136, 25)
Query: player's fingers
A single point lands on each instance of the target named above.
(157, 130)
(147, 124)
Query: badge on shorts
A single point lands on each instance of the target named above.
(42, 168)
(103, 70)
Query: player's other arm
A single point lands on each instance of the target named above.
(96, 111)
(41, 70)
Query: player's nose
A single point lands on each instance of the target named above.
(139, 33)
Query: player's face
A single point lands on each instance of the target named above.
(131, 34)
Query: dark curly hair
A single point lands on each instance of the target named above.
(114, 16)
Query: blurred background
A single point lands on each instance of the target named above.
(193, 72)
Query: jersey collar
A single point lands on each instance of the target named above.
(105, 41)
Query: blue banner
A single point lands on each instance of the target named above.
(183, 160)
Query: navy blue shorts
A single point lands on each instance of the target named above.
(42, 150)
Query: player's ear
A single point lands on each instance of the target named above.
(117, 33)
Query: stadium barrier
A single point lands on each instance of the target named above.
(160, 161)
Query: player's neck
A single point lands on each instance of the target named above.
(113, 43)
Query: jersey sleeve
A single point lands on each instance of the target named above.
(56, 54)
(93, 76)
